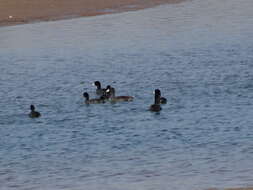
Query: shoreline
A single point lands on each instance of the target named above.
(30, 11)
(65, 10)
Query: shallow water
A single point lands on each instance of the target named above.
(199, 53)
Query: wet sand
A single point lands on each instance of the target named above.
(26, 11)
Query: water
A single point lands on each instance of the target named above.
(198, 53)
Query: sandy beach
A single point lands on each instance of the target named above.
(25, 11)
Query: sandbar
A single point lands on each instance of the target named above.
(14, 12)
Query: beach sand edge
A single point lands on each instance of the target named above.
(24, 11)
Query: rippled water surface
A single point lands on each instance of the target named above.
(199, 53)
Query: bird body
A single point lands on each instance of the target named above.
(93, 101)
(163, 100)
(33, 113)
(156, 106)
(114, 98)
(99, 91)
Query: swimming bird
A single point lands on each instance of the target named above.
(156, 106)
(33, 113)
(93, 101)
(162, 99)
(114, 98)
(107, 93)
(99, 91)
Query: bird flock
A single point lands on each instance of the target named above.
(108, 94)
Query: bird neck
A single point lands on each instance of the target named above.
(98, 86)
(157, 99)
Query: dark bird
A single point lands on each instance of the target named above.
(162, 99)
(93, 101)
(114, 98)
(99, 91)
(107, 93)
(33, 113)
(156, 106)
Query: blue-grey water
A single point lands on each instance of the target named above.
(198, 53)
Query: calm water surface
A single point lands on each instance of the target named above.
(199, 53)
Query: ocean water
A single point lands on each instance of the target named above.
(198, 53)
